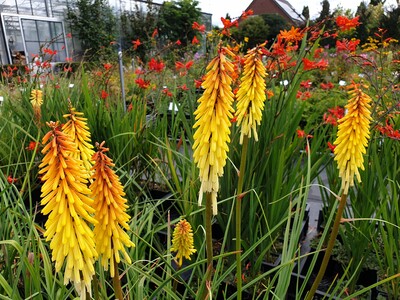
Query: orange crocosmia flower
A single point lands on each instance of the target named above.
(269, 94)
(107, 66)
(301, 134)
(309, 65)
(245, 14)
(293, 35)
(195, 41)
(198, 83)
(326, 86)
(144, 84)
(198, 27)
(346, 45)
(345, 23)
(306, 84)
(317, 52)
(136, 44)
(184, 87)
(11, 179)
(322, 64)
(155, 32)
(104, 94)
(179, 65)
(155, 65)
(389, 131)
(32, 145)
(331, 147)
(228, 23)
(167, 92)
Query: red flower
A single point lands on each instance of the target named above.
(198, 27)
(306, 84)
(389, 131)
(155, 65)
(104, 94)
(326, 86)
(184, 87)
(337, 111)
(155, 32)
(317, 52)
(228, 24)
(144, 84)
(333, 115)
(136, 44)
(69, 35)
(195, 41)
(198, 83)
(346, 45)
(32, 145)
(11, 179)
(167, 92)
(245, 14)
(303, 96)
(178, 42)
(107, 66)
(331, 147)
(185, 67)
(309, 65)
(139, 71)
(301, 134)
(345, 24)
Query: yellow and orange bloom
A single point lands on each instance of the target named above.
(182, 241)
(251, 94)
(37, 101)
(77, 128)
(66, 200)
(352, 137)
(110, 206)
(212, 125)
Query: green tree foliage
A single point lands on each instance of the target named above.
(94, 24)
(275, 24)
(391, 22)
(176, 19)
(325, 12)
(139, 25)
(364, 14)
(253, 28)
(306, 13)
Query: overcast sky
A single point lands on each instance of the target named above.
(219, 8)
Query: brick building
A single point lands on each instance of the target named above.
(280, 7)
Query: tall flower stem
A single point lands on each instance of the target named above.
(117, 282)
(239, 217)
(331, 243)
(209, 244)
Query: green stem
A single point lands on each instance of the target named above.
(331, 243)
(96, 293)
(239, 217)
(117, 282)
(209, 244)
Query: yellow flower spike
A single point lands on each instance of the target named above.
(352, 137)
(65, 199)
(251, 94)
(77, 128)
(182, 241)
(37, 101)
(110, 205)
(213, 117)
